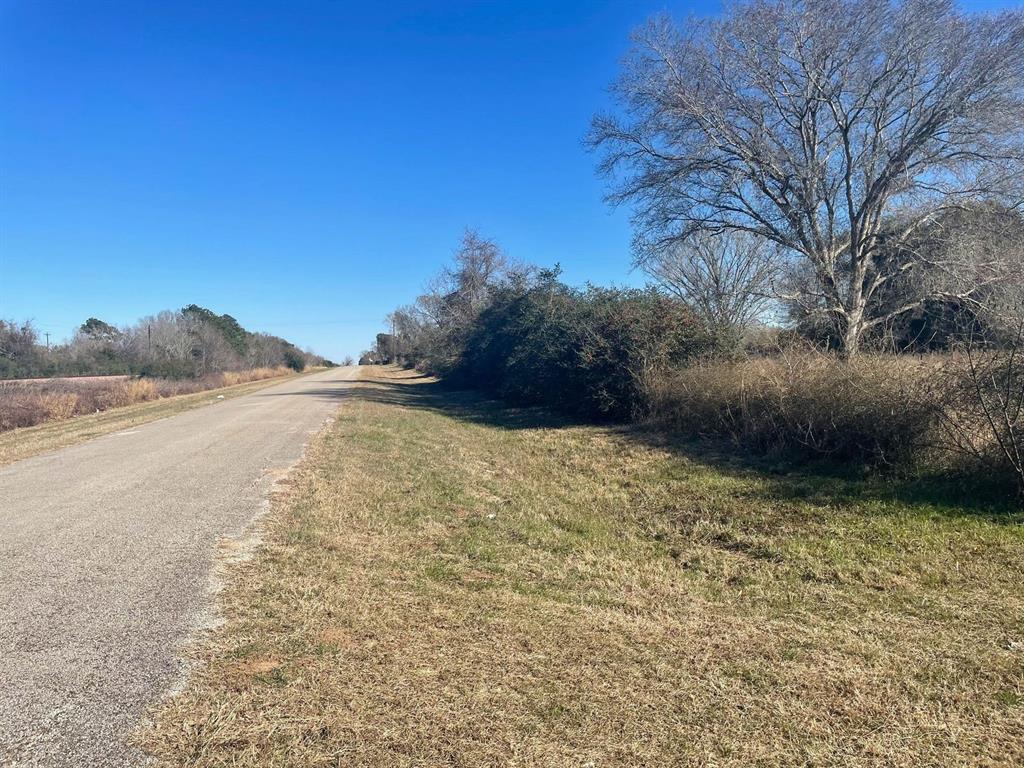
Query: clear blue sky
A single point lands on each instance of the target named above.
(304, 166)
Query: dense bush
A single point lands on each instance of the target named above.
(961, 413)
(627, 353)
(587, 352)
(490, 323)
(805, 405)
(294, 359)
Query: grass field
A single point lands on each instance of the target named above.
(448, 581)
(17, 444)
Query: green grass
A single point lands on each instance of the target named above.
(449, 581)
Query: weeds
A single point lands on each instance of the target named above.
(875, 411)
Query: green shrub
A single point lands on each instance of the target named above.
(587, 352)
(294, 359)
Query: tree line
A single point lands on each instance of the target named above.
(838, 175)
(850, 169)
(188, 343)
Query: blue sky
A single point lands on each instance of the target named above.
(304, 166)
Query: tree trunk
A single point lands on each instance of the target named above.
(852, 335)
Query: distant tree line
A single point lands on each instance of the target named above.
(187, 343)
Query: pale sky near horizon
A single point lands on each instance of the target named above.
(303, 166)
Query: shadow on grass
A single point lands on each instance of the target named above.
(843, 486)
(823, 484)
(464, 404)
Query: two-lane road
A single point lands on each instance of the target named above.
(106, 551)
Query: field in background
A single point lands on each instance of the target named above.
(451, 581)
(17, 444)
(28, 402)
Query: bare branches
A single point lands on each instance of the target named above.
(431, 330)
(811, 124)
(983, 412)
(728, 278)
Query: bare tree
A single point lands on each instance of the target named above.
(815, 125)
(966, 263)
(988, 242)
(442, 318)
(20, 354)
(479, 264)
(167, 336)
(728, 279)
(410, 327)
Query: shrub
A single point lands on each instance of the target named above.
(167, 369)
(59, 405)
(983, 407)
(294, 359)
(805, 405)
(587, 352)
(139, 390)
(231, 378)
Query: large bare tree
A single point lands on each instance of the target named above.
(816, 125)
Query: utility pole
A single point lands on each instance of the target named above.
(47, 335)
(149, 337)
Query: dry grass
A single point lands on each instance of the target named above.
(451, 582)
(26, 403)
(53, 434)
(877, 410)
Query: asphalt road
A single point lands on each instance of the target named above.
(106, 554)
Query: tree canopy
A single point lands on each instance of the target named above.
(815, 125)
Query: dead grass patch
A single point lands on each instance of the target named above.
(256, 666)
(452, 582)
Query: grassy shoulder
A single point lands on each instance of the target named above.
(17, 444)
(450, 581)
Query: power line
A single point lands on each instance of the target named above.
(322, 322)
